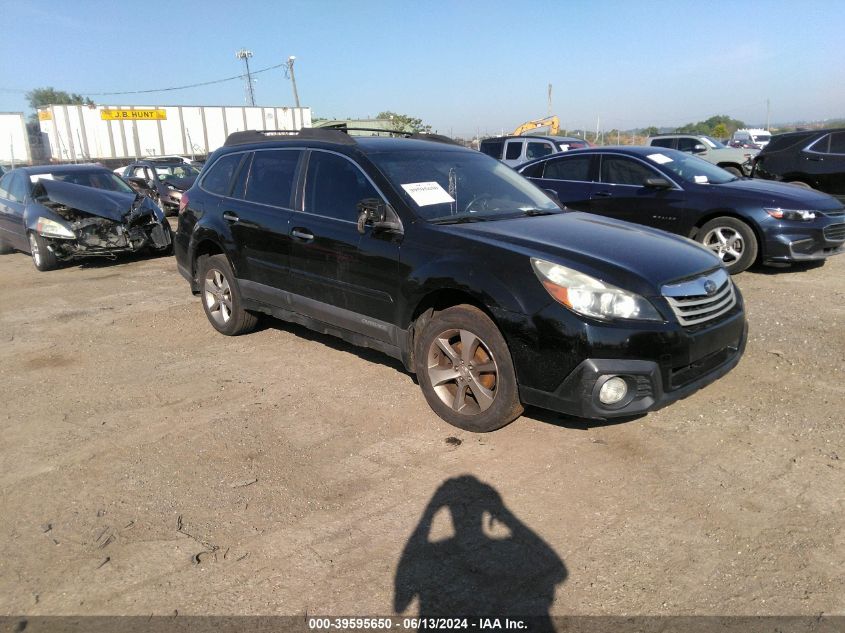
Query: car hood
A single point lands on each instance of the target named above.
(630, 256)
(737, 154)
(113, 205)
(777, 194)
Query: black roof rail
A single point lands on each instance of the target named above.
(329, 135)
(269, 136)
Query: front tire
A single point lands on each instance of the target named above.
(221, 297)
(732, 240)
(43, 258)
(734, 171)
(465, 370)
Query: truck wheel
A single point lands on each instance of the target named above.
(465, 370)
(43, 258)
(732, 240)
(733, 170)
(221, 297)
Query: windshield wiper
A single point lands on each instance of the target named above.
(535, 212)
(462, 220)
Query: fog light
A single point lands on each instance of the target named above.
(613, 390)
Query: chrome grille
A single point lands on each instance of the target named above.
(691, 302)
(834, 232)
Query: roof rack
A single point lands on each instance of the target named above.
(329, 135)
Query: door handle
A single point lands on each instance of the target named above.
(229, 216)
(602, 194)
(814, 159)
(302, 234)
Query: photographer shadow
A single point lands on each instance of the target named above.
(490, 565)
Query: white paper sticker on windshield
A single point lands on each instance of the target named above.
(426, 193)
(37, 177)
(700, 180)
(660, 159)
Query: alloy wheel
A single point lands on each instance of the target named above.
(462, 371)
(726, 242)
(218, 296)
(33, 247)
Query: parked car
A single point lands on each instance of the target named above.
(163, 180)
(811, 159)
(515, 150)
(733, 160)
(450, 261)
(743, 144)
(752, 137)
(739, 219)
(58, 213)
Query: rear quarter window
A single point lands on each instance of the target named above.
(219, 178)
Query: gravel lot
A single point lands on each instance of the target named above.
(150, 465)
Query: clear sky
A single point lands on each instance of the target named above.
(461, 66)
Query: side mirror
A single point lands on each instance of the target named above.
(657, 183)
(553, 195)
(699, 149)
(376, 213)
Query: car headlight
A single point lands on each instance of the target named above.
(51, 228)
(791, 214)
(588, 296)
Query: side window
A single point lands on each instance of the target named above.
(239, 188)
(686, 144)
(19, 187)
(569, 168)
(5, 183)
(837, 143)
(219, 177)
(492, 148)
(138, 172)
(334, 186)
(820, 146)
(514, 149)
(271, 177)
(533, 171)
(662, 142)
(536, 150)
(619, 170)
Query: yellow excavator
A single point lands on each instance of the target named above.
(551, 122)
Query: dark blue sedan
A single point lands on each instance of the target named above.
(741, 220)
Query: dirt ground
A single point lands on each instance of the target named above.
(149, 464)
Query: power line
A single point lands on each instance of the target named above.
(138, 92)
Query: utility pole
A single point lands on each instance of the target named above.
(244, 54)
(291, 59)
(767, 115)
(550, 99)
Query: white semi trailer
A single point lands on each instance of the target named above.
(88, 133)
(14, 142)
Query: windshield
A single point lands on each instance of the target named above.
(96, 179)
(712, 142)
(689, 168)
(445, 185)
(176, 171)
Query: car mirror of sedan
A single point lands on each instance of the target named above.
(657, 183)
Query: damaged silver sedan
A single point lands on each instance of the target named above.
(60, 213)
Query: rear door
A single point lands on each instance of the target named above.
(570, 176)
(825, 162)
(514, 149)
(14, 187)
(258, 213)
(342, 277)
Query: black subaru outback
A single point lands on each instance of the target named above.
(450, 261)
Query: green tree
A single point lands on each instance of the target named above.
(405, 123)
(720, 130)
(651, 131)
(40, 97)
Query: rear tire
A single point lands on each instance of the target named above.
(732, 240)
(221, 297)
(465, 370)
(43, 258)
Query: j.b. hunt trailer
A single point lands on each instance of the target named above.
(84, 133)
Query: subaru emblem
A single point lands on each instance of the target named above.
(710, 287)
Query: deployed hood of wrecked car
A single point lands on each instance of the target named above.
(113, 205)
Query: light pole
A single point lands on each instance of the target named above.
(244, 54)
(291, 59)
